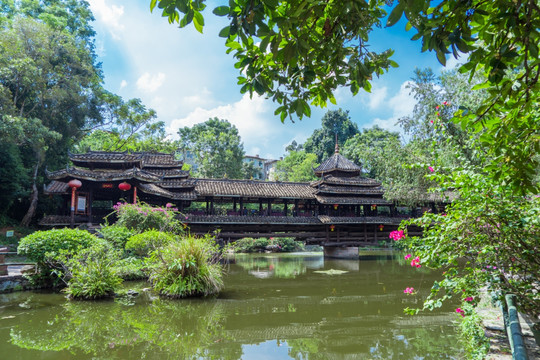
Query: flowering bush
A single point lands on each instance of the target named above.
(397, 235)
(141, 217)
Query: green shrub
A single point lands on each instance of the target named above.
(117, 235)
(131, 268)
(185, 268)
(92, 273)
(44, 247)
(472, 335)
(289, 244)
(147, 241)
(250, 245)
(142, 217)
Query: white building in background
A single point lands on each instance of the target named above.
(265, 167)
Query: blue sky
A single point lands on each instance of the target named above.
(187, 77)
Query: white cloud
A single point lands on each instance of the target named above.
(250, 116)
(376, 98)
(401, 104)
(109, 15)
(204, 98)
(150, 83)
(123, 84)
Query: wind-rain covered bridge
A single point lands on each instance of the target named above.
(341, 211)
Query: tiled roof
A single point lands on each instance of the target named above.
(144, 159)
(56, 187)
(168, 173)
(353, 190)
(354, 180)
(253, 188)
(105, 156)
(177, 184)
(351, 200)
(337, 162)
(158, 191)
(103, 175)
(159, 160)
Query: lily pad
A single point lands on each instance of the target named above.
(331, 272)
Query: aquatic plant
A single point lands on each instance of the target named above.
(91, 272)
(185, 268)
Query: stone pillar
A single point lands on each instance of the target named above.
(336, 252)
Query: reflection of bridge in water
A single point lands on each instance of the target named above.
(341, 211)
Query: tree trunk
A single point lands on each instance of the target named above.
(33, 200)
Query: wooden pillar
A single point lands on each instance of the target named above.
(260, 207)
(269, 209)
(295, 212)
(242, 206)
(90, 200)
(285, 202)
(207, 206)
(234, 204)
(212, 206)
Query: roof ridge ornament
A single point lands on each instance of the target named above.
(337, 145)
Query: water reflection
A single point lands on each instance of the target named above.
(289, 312)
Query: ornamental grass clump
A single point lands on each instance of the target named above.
(187, 268)
(91, 273)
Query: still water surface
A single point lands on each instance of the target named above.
(273, 307)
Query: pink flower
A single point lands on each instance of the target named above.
(437, 107)
(460, 312)
(409, 290)
(469, 298)
(431, 169)
(168, 205)
(431, 121)
(437, 114)
(408, 256)
(416, 262)
(396, 235)
(446, 103)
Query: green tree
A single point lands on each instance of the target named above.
(217, 147)
(297, 166)
(366, 147)
(45, 78)
(323, 141)
(250, 171)
(125, 126)
(301, 51)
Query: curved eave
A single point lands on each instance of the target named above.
(102, 175)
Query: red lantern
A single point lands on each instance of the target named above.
(381, 227)
(332, 227)
(335, 206)
(74, 184)
(124, 186)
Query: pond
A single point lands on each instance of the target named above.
(286, 306)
